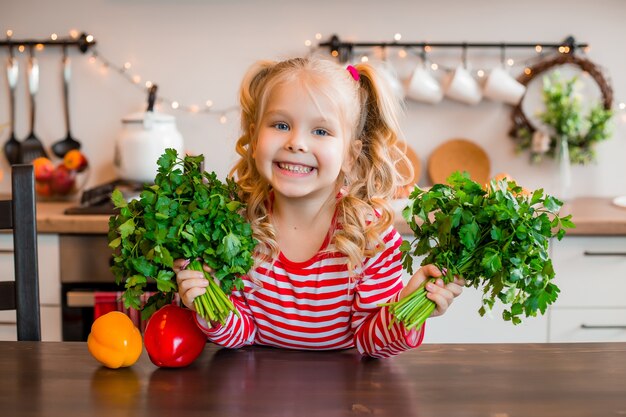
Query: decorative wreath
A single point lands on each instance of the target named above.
(581, 148)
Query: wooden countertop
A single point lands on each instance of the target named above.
(592, 215)
(514, 380)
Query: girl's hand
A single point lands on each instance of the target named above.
(442, 295)
(190, 283)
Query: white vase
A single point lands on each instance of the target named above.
(564, 168)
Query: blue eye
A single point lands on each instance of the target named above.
(281, 126)
(320, 132)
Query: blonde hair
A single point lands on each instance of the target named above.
(369, 110)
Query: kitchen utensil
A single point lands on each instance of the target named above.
(143, 139)
(65, 145)
(403, 169)
(32, 148)
(458, 155)
(12, 146)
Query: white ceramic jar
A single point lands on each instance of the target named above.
(143, 139)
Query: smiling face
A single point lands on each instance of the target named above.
(301, 142)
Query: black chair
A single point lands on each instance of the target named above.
(19, 215)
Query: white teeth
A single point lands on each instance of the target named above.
(300, 169)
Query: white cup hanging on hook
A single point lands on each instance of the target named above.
(390, 74)
(460, 85)
(501, 86)
(422, 85)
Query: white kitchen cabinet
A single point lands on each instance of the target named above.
(591, 273)
(49, 286)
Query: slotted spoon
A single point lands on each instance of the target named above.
(31, 147)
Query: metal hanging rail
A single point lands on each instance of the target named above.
(343, 49)
(83, 42)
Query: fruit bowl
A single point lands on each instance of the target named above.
(63, 181)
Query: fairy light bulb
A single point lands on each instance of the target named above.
(74, 34)
(318, 36)
(307, 43)
(397, 37)
(54, 36)
(402, 53)
(480, 73)
(622, 106)
(587, 49)
(194, 109)
(434, 66)
(136, 79)
(335, 53)
(9, 33)
(223, 119)
(365, 58)
(92, 59)
(21, 48)
(510, 62)
(127, 65)
(175, 104)
(538, 48)
(527, 71)
(89, 38)
(39, 47)
(428, 48)
(209, 103)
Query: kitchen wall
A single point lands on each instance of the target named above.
(198, 50)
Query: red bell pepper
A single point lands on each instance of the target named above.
(172, 338)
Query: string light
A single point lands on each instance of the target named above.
(622, 106)
(480, 73)
(135, 80)
(308, 42)
(510, 62)
(538, 48)
(434, 66)
(397, 37)
(39, 47)
(9, 33)
(365, 58)
(402, 53)
(74, 34)
(318, 36)
(54, 36)
(21, 48)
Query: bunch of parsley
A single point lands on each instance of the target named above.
(189, 214)
(496, 239)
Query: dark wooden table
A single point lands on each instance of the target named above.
(491, 380)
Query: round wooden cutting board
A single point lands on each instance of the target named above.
(459, 155)
(416, 163)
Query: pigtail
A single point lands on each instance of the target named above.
(253, 191)
(374, 178)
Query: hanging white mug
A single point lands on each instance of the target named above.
(501, 86)
(459, 85)
(423, 86)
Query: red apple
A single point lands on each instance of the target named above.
(62, 181)
(43, 168)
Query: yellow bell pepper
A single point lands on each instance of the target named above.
(114, 340)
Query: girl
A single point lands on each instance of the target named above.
(317, 165)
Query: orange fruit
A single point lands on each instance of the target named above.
(75, 160)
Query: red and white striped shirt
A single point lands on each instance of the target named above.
(317, 305)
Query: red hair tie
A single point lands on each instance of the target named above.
(353, 72)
